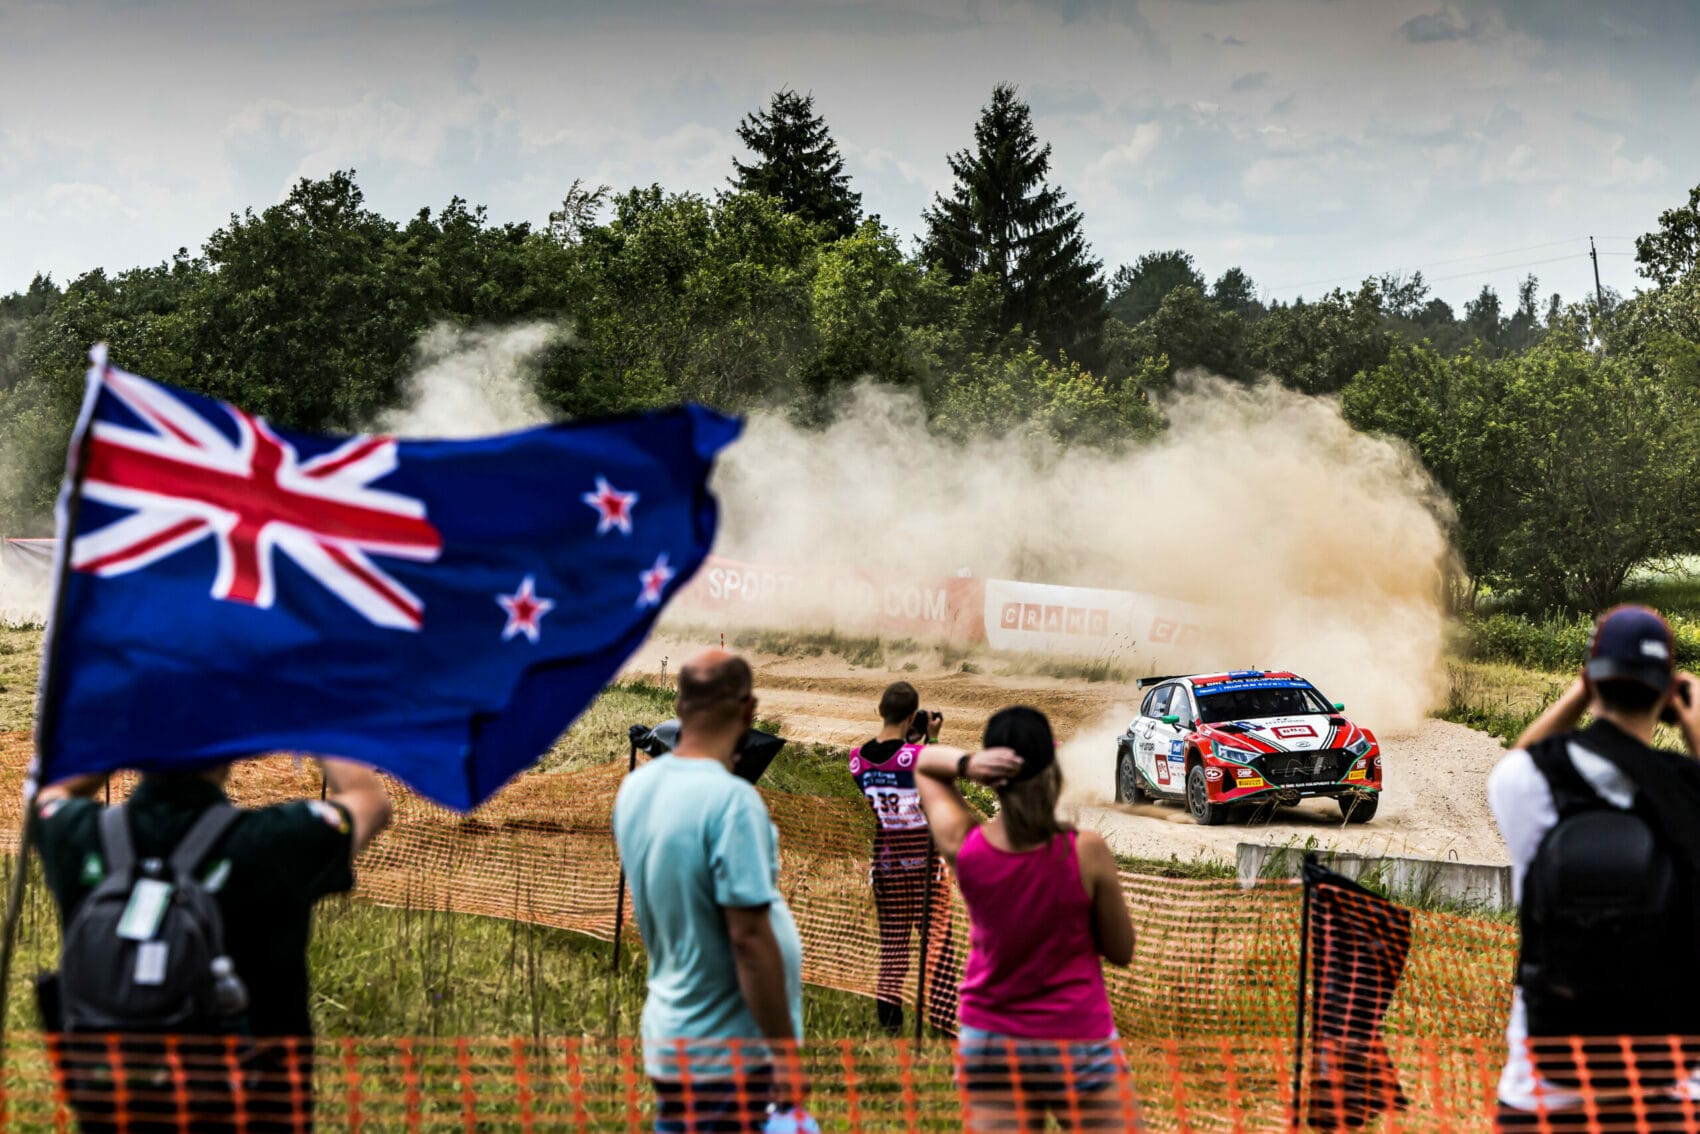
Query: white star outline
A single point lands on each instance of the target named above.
(654, 581)
(614, 508)
(525, 610)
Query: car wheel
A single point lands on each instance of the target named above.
(1198, 800)
(1127, 778)
(1359, 806)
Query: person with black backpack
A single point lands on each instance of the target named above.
(184, 925)
(1603, 832)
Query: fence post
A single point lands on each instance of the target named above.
(619, 924)
(926, 930)
(1299, 1008)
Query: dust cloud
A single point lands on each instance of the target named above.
(470, 383)
(1304, 543)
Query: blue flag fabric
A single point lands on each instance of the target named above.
(441, 610)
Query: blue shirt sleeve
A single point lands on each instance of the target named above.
(744, 853)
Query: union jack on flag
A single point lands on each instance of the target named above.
(439, 609)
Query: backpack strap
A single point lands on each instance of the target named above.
(116, 847)
(1570, 792)
(199, 842)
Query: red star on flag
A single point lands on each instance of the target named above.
(614, 506)
(654, 581)
(525, 610)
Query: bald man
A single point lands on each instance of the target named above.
(725, 960)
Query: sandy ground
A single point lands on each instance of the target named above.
(1435, 804)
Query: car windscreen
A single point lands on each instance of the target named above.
(1240, 703)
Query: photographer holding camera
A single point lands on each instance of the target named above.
(1603, 832)
(903, 862)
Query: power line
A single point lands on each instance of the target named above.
(1462, 260)
(1509, 267)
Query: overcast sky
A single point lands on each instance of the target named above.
(1312, 142)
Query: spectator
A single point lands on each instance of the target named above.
(264, 870)
(1603, 832)
(903, 863)
(1045, 904)
(725, 959)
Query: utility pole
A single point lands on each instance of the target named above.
(1599, 293)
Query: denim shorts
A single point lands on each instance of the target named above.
(1049, 1067)
(714, 1106)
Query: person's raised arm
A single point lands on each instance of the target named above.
(1560, 716)
(361, 793)
(1112, 928)
(948, 814)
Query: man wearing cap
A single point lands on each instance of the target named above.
(1556, 798)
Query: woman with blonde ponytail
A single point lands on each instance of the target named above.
(1046, 909)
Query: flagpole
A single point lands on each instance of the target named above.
(1299, 1011)
(46, 705)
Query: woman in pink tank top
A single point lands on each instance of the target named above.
(1046, 909)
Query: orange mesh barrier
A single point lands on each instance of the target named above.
(1210, 958)
(1207, 1009)
(1219, 1086)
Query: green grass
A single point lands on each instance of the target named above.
(1498, 698)
(20, 657)
(600, 734)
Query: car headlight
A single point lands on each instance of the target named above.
(1359, 748)
(1239, 754)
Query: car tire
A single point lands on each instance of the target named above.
(1198, 802)
(1358, 806)
(1127, 778)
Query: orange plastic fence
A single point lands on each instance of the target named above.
(1219, 1086)
(1206, 1010)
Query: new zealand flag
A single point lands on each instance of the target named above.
(440, 610)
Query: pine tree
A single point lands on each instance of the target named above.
(1003, 220)
(798, 162)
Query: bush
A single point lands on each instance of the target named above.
(1553, 643)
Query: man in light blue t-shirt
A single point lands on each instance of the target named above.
(725, 959)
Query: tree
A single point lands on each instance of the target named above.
(797, 162)
(1138, 289)
(1002, 219)
(1319, 347)
(1482, 317)
(1233, 291)
(1190, 331)
(311, 310)
(1568, 469)
(1672, 252)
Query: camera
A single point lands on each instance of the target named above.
(921, 725)
(755, 752)
(1668, 714)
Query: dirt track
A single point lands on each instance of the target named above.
(1435, 804)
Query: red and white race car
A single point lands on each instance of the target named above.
(1248, 736)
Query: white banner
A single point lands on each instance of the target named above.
(1127, 626)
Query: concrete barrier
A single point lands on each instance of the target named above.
(1416, 881)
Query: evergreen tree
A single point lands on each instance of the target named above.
(798, 162)
(1004, 221)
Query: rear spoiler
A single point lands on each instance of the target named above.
(1147, 681)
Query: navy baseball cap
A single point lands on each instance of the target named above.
(1632, 643)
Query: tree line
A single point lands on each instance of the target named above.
(1547, 423)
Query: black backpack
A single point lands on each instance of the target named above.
(178, 979)
(1608, 927)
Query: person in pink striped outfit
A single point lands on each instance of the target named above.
(1046, 909)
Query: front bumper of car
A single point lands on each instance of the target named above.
(1290, 776)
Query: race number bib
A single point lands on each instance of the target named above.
(898, 809)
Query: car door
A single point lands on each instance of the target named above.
(1182, 707)
(1155, 745)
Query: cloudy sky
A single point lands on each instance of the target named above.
(1313, 142)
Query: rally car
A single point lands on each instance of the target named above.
(1247, 736)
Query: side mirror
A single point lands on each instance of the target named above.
(1339, 707)
(1171, 719)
